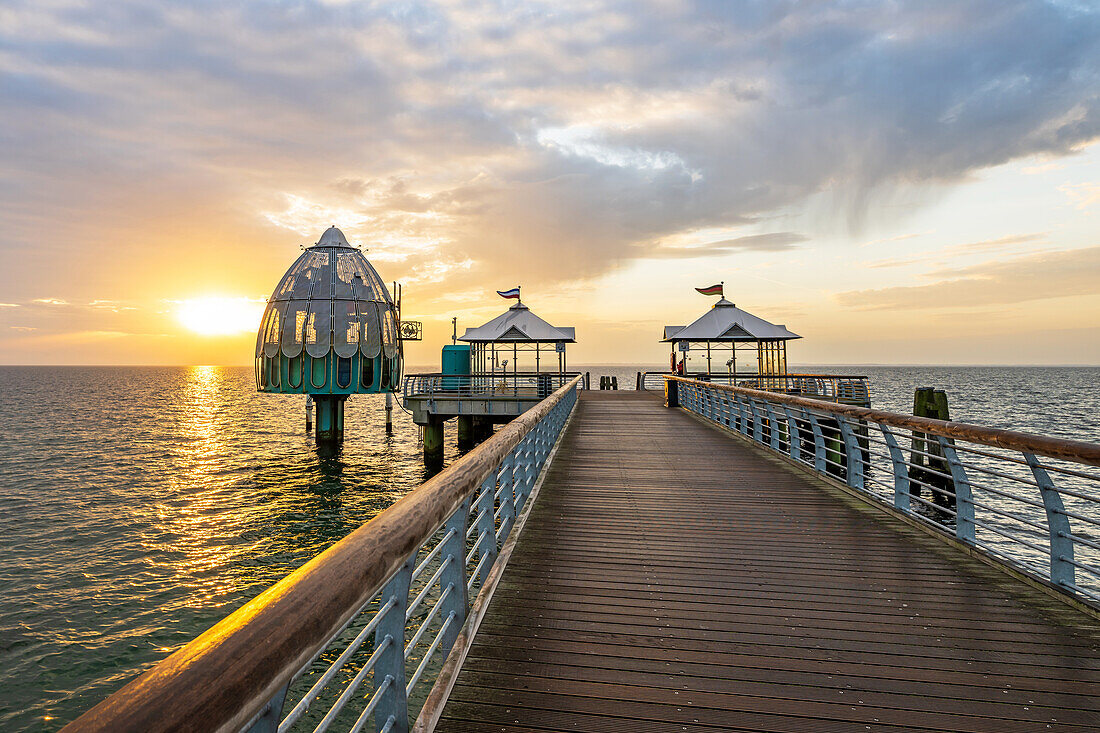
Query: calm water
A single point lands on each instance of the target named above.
(140, 505)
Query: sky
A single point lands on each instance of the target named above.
(897, 182)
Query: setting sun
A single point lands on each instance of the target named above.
(220, 316)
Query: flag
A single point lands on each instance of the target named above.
(513, 293)
(712, 290)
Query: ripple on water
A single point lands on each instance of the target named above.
(138, 506)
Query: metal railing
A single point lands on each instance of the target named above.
(846, 389)
(1029, 501)
(501, 385)
(356, 635)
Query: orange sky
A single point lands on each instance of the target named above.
(855, 174)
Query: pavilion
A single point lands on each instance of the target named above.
(518, 333)
(733, 337)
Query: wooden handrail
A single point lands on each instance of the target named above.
(496, 374)
(219, 681)
(1070, 450)
(756, 375)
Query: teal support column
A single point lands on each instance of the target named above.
(466, 437)
(433, 442)
(330, 419)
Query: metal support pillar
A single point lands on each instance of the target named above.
(389, 413)
(330, 419)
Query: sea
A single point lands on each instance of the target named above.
(140, 505)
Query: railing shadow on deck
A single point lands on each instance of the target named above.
(359, 631)
(987, 488)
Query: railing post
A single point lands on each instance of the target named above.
(267, 721)
(854, 470)
(454, 577)
(773, 428)
(964, 503)
(742, 423)
(1062, 570)
(901, 470)
(486, 526)
(547, 442)
(507, 497)
(389, 670)
(794, 436)
(524, 457)
(757, 421)
(819, 444)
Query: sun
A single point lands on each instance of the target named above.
(215, 315)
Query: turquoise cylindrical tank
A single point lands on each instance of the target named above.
(330, 327)
(456, 361)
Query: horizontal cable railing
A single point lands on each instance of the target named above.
(843, 388)
(1030, 501)
(353, 639)
(504, 385)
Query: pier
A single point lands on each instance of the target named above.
(713, 558)
(670, 576)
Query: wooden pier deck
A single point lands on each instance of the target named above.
(671, 578)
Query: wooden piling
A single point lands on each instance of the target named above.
(927, 469)
(483, 429)
(466, 435)
(433, 442)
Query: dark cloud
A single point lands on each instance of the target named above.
(556, 137)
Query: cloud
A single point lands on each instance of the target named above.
(772, 242)
(1033, 277)
(50, 301)
(557, 137)
(899, 238)
(1082, 195)
(944, 253)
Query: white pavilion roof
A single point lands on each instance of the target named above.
(519, 324)
(726, 322)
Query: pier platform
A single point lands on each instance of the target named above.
(672, 577)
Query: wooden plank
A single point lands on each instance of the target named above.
(672, 579)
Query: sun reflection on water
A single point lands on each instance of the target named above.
(173, 496)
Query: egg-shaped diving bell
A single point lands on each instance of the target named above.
(330, 330)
